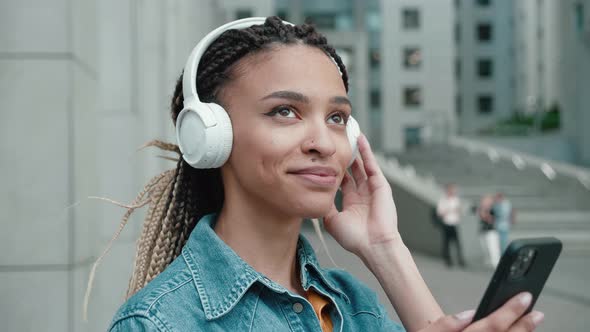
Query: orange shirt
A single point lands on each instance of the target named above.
(320, 306)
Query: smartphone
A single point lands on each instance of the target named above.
(524, 267)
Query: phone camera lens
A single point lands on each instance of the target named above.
(522, 263)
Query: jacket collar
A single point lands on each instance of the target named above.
(222, 277)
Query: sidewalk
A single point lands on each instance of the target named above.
(565, 299)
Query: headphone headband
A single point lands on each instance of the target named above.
(189, 78)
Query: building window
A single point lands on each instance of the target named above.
(374, 58)
(373, 19)
(458, 69)
(483, 3)
(458, 108)
(484, 32)
(457, 32)
(243, 13)
(485, 68)
(412, 136)
(411, 18)
(412, 57)
(412, 97)
(375, 98)
(485, 104)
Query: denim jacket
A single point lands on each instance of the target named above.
(210, 288)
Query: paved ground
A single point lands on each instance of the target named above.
(565, 299)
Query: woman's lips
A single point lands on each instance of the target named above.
(318, 176)
(318, 180)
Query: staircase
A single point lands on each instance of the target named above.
(545, 207)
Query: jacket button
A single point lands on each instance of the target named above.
(297, 307)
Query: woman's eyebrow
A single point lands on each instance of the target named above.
(299, 97)
(340, 100)
(295, 96)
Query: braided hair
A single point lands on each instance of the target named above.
(179, 197)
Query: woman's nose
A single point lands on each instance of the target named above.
(319, 140)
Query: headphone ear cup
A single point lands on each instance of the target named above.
(353, 131)
(204, 135)
(223, 135)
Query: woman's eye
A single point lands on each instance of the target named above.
(337, 119)
(283, 111)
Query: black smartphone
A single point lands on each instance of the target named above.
(524, 267)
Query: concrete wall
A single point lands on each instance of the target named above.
(415, 198)
(48, 114)
(415, 222)
(553, 146)
(80, 90)
(575, 77)
(419, 233)
(536, 51)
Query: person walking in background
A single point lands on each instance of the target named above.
(488, 235)
(449, 211)
(503, 214)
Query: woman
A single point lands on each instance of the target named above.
(503, 214)
(488, 236)
(221, 249)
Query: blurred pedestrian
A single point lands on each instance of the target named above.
(504, 216)
(449, 211)
(488, 235)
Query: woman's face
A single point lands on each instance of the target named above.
(288, 108)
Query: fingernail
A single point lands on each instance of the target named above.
(465, 315)
(525, 299)
(538, 317)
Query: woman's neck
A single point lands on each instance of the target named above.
(266, 241)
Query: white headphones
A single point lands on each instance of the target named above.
(203, 130)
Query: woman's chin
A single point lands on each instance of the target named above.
(316, 210)
(308, 205)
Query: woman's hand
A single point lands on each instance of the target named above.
(506, 318)
(367, 226)
(369, 215)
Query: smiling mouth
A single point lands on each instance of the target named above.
(317, 180)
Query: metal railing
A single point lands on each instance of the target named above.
(522, 160)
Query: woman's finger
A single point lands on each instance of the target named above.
(358, 172)
(375, 177)
(452, 323)
(504, 317)
(528, 322)
(371, 167)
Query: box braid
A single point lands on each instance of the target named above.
(179, 197)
